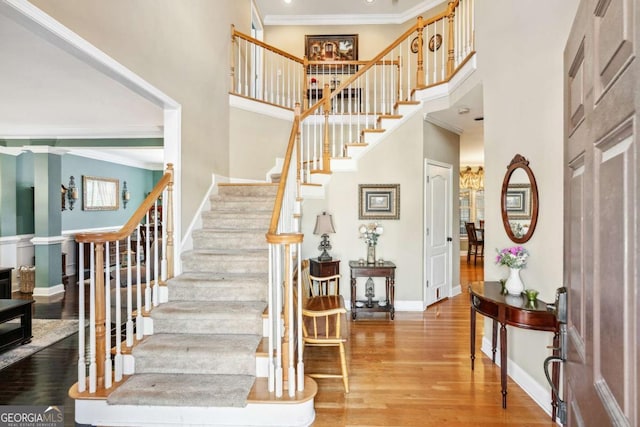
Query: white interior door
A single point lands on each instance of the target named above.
(437, 229)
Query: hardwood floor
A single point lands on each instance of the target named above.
(413, 371)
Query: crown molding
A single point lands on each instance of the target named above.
(443, 124)
(61, 132)
(104, 155)
(352, 19)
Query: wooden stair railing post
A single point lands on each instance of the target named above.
(305, 83)
(451, 52)
(420, 65)
(232, 71)
(169, 222)
(296, 113)
(326, 158)
(99, 313)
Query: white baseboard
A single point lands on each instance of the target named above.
(47, 292)
(540, 394)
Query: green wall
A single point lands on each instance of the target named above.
(139, 183)
(7, 195)
(25, 183)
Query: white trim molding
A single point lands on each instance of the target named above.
(540, 394)
(40, 291)
(52, 240)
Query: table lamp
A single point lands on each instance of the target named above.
(324, 226)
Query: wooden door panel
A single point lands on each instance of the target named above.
(613, 38)
(602, 213)
(613, 302)
(576, 288)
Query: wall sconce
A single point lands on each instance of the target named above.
(126, 196)
(324, 226)
(72, 192)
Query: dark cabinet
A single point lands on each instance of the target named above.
(5, 283)
(324, 268)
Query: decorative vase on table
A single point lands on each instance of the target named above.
(514, 285)
(371, 253)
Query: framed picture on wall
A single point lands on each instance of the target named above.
(379, 201)
(323, 51)
(518, 201)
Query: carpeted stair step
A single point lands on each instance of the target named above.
(226, 261)
(257, 189)
(206, 354)
(229, 239)
(216, 287)
(183, 390)
(209, 317)
(262, 204)
(248, 219)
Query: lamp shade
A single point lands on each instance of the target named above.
(324, 224)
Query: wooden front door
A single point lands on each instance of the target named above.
(601, 210)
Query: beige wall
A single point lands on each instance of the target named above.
(256, 140)
(520, 51)
(397, 160)
(181, 48)
(444, 146)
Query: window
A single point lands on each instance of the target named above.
(471, 208)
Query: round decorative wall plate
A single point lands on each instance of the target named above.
(435, 42)
(414, 45)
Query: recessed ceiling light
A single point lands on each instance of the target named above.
(369, 1)
(463, 110)
(287, 1)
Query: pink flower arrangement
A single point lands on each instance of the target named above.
(514, 257)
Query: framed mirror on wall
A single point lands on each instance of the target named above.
(100, 194)
(519, 200)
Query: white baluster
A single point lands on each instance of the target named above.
(139, 319)
(108, 369)
(129, 291)
(82, 368)
(118, 357)
(93, 380)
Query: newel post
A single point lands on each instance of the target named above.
(326, 98)
(451, 51)
(169, 222)
(420, 66)
(99, 312)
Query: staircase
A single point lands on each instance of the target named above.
(199, 366)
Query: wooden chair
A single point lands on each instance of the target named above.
(324, 324)
(329, 285)
(476, 245)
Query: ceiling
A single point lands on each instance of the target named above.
(337, 12)
(48, 93)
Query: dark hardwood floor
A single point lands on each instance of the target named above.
(44, 378)
(413, 371)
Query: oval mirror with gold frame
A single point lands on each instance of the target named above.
(519, 200)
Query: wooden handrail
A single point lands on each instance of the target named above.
(236, 33)
(136, 218)
(275, 215)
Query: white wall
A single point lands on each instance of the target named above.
(255, 141)
(397, 160)
(180, 47)
(520, 52)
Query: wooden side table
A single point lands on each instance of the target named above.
(324, 268)
(386, 270)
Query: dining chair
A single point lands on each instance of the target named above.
(476, 245)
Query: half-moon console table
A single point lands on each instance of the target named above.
(487, 299)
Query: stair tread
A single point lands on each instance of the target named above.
(183, 390)
(219, 278)
(208, 309)
(204, 344)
